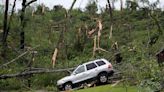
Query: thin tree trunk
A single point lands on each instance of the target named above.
(22, 33)
(5, 33)
(94, 46)
(7, 26)
(111, 18)
(110, 11)
(72, 5)
(11, 16)
(22, 37)
(54, 57)
(121, 5)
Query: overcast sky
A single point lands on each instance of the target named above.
(67, 3)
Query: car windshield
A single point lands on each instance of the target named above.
(79, 69)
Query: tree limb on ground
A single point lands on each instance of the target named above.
(31, 71)
(13, 60)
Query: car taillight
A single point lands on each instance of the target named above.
(110, 66)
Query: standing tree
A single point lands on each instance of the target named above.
(23, 22)
(111, 19)
(5, 33)
(121, 5)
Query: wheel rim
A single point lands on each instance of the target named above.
(68, 87)
(103, 79)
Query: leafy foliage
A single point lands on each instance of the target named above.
(133, 29)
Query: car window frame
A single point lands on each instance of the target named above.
(100, 61)
(92, 68)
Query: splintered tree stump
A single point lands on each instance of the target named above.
(54, 57)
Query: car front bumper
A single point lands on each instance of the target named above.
(60, 87)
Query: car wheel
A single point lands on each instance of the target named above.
(68, 86)
(103, 78)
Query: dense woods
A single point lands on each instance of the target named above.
(38, 38)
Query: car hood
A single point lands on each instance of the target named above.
(63, 80)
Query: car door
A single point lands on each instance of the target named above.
(78, 74)
(91, 69)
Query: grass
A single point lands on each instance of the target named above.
(109, 88)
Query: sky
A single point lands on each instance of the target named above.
(67, 3)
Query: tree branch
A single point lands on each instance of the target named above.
(30, 2)
(72, 6)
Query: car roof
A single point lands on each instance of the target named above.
(102, 59)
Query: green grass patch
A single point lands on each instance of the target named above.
(109, 88)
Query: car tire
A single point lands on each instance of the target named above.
(103, 78)
(68, 86)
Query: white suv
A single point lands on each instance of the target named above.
(98, 70)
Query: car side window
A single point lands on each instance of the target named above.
(100, 63)
(80, 69)
(91, 66)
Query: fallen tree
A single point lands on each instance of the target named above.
(31, 71)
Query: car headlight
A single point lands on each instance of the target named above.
(60, 82)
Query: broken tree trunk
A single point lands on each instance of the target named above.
(99, 32)
(94, 46)
(111, 32)
(54, 57)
